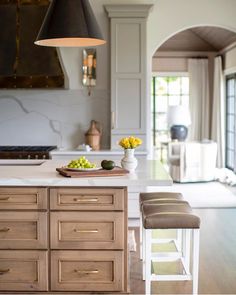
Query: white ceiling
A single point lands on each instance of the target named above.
(200, 39)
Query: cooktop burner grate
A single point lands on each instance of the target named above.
(27, 148)
(26, 152)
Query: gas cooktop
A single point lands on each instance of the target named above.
(26, 152)
(27, 148)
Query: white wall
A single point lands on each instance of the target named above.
(169, 64)
(230, 61)
(61, 117)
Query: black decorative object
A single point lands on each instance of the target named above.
(70, 23)
(178, 132)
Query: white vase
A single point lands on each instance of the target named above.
(129, 162)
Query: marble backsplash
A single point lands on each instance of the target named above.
(52, 117)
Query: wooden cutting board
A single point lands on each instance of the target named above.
(117, 171)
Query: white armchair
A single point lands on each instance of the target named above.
(192, 161)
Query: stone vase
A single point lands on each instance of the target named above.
(129, 162)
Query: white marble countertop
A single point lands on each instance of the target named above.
(148, 173)
(95, 153)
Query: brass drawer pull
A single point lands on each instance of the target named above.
(2, 271)
(86, 230)
(87, 271)
(94, 200)
(4, 198)
(4, 230)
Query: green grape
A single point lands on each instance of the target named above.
(81, 162)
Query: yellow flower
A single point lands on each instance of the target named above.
(130, 142)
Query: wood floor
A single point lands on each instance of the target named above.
(217, 258)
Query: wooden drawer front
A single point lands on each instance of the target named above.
(23, 230)
(23, 270)
(23, 198)
(87, 199)
(87, 271)
(87, 230)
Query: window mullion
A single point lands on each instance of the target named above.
(154, 111)
(234, 168)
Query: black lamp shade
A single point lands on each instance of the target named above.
(70, 23)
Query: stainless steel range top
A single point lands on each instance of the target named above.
(25, 152)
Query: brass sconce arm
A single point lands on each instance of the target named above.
(89, 68)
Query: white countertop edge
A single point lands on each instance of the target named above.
(104, 182)
(101, 152)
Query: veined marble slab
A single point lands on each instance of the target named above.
(148, 173)
(52, 117)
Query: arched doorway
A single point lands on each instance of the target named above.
(170, 74)
(168, 19)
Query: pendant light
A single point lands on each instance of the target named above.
(70, 23)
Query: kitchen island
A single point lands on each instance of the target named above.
(43, 173)
(67, 234)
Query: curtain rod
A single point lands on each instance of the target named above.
(169, 57)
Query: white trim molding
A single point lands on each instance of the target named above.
(230, 71)
(137, 10)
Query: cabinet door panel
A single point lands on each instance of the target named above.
(87, 271)
(23, 270)
(87, 230)
(12, 198)
(98, 199)
(128, 78)
(23, 230)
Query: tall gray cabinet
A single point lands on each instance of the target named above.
(128, 71)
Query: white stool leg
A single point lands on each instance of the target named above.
(143, 251)
(186, 249)
(183, 245)
(179, 240)
(196, 240)
(148, 256)
(141, 235)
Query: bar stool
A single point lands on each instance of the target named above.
(175, 215)
(153, 198)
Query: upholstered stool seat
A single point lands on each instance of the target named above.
(169, 215)
(163, 214)
(145, 197)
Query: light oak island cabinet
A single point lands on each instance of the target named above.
(63, 239)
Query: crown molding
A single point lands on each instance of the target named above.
(128, 10)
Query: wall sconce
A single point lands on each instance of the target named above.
(89, 68)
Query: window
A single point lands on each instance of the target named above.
(230, 122)
(166, 90)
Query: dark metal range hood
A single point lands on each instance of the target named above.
(24, 64)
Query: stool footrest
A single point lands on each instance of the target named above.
(166, 256)
(171, 277)
(163, 241)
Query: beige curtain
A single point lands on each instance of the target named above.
(199, 99)
(218, 112)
